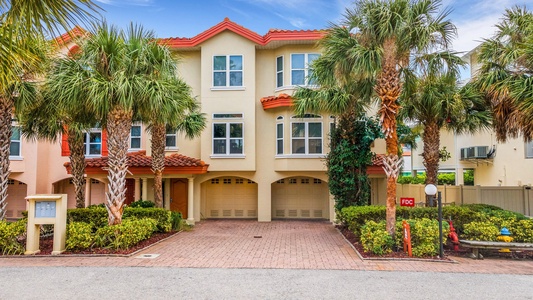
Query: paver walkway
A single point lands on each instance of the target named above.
(278, 244)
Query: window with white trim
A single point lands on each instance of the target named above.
(227, 71)
(279, 71)
(279, 136)
(14, 147)
(171, 139)
(306, 135)
(300, 70)
(135, 136)
(93, 142)
(228, 134)
(529, 149)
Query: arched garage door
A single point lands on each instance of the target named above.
(231, 197)
(16, 199)
(300, 197)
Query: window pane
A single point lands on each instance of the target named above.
(315, 146)
(235, 146)
(219, 79)
(312, 57)
(14, 149)
(170, 141)
(279, 133)
(279, 63)
(135, 130)
(529, 150)
(219, 63)
(298, 146)
(235, 130)
(94, 149)
(95, 137)
(297, 61)
(135, 143)
(310, 79)
(315, 129)
(298, 129)
(280, 147)
(235, 62)
(219, 147)
(235, 78)
(279, 79)
(219, 130)
(15, 133)
(298, 77)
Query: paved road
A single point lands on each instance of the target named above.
(189, 283)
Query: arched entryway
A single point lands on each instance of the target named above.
(300, 197)
(16, 198)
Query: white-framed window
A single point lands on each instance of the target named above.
(15, 146)
(227, 71)
(135, 136)
(529, 149)
(306, 134)
(300, 70)
(279, 71)
(228, 138)
(279, 136)
(171, 139)
(93, 142)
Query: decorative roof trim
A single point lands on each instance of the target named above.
(282, 100)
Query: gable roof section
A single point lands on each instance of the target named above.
(272, 35)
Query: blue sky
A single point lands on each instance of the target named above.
(474, 19)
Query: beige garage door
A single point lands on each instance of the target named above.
(300, 197)
(231, 197)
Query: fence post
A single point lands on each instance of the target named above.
(478, 194)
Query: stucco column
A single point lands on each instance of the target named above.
(264, 201)
(87, 191)
(166, 193)
(145, 189)
(459, 176)
(190, 202)
(137, 191)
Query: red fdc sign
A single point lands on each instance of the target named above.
(407, 202)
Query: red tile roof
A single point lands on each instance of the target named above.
(281, 100)
(67, 37)
(139, 163)
(227, 24)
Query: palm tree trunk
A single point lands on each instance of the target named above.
(431, 139)
(118, 130)
(388, 88)
(6, 108)
(158, 161)
(77, 163)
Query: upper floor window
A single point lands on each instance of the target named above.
(529, 149)
(14, 147)
(279, 71)
(300, 70)
(228, 135)
(227, 71)
(93, 142)
(171, 141)
(135, 136)
(306, 135)
(279, 138)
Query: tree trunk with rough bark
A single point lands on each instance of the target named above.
(118, 130)
(77, 163)
(431, 139)
(388, 88)
(158, 161)
(6, 108)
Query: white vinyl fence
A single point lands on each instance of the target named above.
(514, 198)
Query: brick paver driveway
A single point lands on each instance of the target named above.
(278, 244)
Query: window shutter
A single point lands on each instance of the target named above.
(104, 142)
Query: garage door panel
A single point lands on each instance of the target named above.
(231, 198)
(300, 198)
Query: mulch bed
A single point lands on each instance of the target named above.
(46, 246)
(448, 252)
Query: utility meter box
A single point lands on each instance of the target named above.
(46, 209)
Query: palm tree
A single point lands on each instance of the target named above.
(168, 104)
(371, 49)
(505, 75)
(23, 24)
(434, 100)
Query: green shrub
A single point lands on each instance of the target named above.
(11, 237)
(375, 238)
(424, 236)
(96, 216)
(79, 236)
(142, 204)
(160, 215)
(522, 231)
(176, 220)
(481, 231)
(125, 235)
(102, 205)
(354, 217)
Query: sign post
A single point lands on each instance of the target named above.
(46, 209)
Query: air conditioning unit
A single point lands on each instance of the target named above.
(474, 152)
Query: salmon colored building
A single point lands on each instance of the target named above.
(256, 159)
